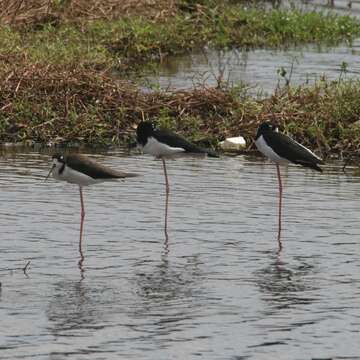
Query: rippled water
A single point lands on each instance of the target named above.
(343, 7)
(217, 290)
(260, 68)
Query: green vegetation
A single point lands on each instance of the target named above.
(130, 42)
(57, 66)
(46, 104)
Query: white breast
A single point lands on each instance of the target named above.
(74, 177)
(269, 152)
(156, 148)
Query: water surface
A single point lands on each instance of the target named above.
(260, 69)
(217, 290)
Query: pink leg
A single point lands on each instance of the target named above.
(166, 227)
(280, 206)
(166, 177)
(82, 215)
(166, 200)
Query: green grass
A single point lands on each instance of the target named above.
(130, 42)
(54, 85)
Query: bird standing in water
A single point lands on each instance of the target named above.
(281, 149)
(162, 144)
(83, 171)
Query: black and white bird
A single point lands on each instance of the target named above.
(83, 171)
(281, 149)
(164, 143)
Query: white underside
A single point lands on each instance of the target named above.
(74, 177)
(269, 152)
(158, 149)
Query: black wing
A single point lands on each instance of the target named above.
(93, 169)
(174, 140)
(291, 150)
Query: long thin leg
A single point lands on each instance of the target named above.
(166, 227)
(166, 177)
(280, 206)
(82, 215)
(166, 202)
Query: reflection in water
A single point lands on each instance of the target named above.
(168, 282)
(168, 298)
(81, 261)
(73, 306)
(166, 291)
(284, 285)
(259, 69)
(218, 294)
(166, 243)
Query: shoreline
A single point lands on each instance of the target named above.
(58, 85)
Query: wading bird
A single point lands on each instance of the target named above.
(163, 144)
(83, 171)
(281, 149)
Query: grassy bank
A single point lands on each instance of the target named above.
(130, 42)
(56, 65)
(47, 104)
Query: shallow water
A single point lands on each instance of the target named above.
(343, 7)
(259, 69)
(217, 289)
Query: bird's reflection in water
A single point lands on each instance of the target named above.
(283, 284)
(75, 306)
(168, 294)
(81, 262)
(169, 281)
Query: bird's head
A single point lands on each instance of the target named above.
(144, 130)
(58, 158)
(266, 127)
(58, 161)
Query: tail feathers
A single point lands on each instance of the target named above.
(126, 175)
(212, 153)
(311, 165)
(196, 149)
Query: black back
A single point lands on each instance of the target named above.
(144, 130)
(288, 148)
(147, 129)
(89, 167)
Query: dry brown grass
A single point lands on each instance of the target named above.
(32, 12)
(42, 103)
(50, 103)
